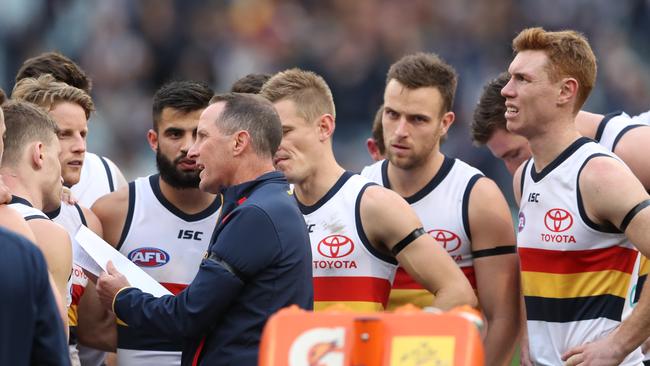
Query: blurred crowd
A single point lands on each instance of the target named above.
(130, 48)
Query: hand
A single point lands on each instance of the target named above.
(524, 353)
(5, 194)
(603, 352)
(67, 197)
(109, 284)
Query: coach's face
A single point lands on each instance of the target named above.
(212, 151)
(73, 128)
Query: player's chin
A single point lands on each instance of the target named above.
(71, 178)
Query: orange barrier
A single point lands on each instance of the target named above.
(337, 337)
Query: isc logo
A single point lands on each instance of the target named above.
(149, 257)
(189, 234)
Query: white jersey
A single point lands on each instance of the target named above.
(347, 269)
(576, 274)
(99, 176)
(25, 209)
(168, 245)
(71, 217)
(28, 213)
(442, 206)
(614, 125)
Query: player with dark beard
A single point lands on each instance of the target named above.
(163, 222)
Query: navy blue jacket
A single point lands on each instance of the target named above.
(259, 261)
(31, 330)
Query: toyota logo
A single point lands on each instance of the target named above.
(335, 246)
(450, 241)
(558, 220)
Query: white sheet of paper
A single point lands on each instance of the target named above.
(100, 252)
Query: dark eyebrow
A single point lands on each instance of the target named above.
(173, 130)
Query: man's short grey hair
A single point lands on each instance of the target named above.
(254, 114)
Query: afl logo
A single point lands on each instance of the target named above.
(149, 257)
(450, 241)
(335, 246)
(558, 220)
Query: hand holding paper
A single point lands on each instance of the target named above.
(97, 253)
(109, 284)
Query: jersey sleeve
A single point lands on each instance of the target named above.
(246, 245)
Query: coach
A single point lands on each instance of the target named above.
(259, 257)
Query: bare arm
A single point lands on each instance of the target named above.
(497, 276)
(634, 149)
(609, 192)
(111, 210)
(55, 244)
(96, 325)
(10, 219)
(387, 219)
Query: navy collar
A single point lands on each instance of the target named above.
(237, 194)
(16, 199)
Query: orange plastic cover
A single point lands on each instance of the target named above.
(337, 337)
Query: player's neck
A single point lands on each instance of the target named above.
(407, 182)
(14, 181)
(190, 200)
(547, 146)
(322, 178)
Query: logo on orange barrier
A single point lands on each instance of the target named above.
(449, 240)
(318, 347)
(422, 350)
(335, 246)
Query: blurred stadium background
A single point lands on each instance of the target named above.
(130, 48)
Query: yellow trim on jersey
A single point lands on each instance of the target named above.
(644, 266)
(352, 305)
(400, 297)
(72, 315)
(562, 286)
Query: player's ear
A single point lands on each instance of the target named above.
(446, 122)
(568, 91)
(37, 153)
(326, 126)
(152, 139)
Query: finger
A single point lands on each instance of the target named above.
(574, 360)
(110, 268)
(573, 351)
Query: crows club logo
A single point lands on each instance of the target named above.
(449, 240)
(148, 257)
(335, 246)
(558, 220)
(522, 222)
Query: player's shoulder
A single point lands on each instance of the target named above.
(374, 171)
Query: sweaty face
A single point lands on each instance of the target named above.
(298, 153)
(73, 128)
(176, 134)
(530, 94)
(512, 149)
(413, 124)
